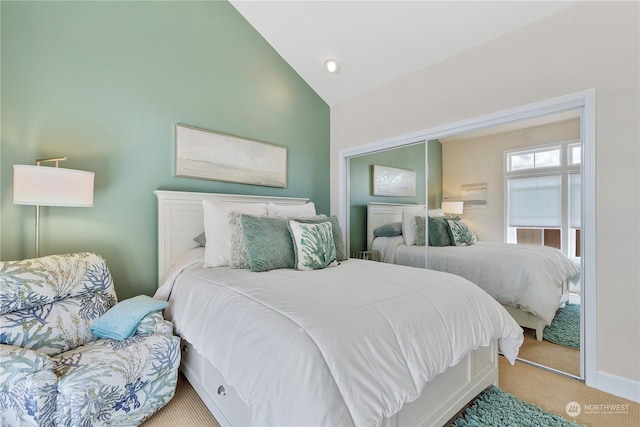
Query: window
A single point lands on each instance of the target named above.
(543, 199)
(575, 154)
(535, 159)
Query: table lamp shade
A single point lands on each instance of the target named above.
(453, 207)
(48, 186)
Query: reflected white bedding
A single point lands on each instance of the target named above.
(525, 276)
(346, 345)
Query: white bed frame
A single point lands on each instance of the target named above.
(180, 219)
(383, 213)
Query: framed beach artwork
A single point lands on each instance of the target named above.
(474, 196)
(395, 182)
(205, 154)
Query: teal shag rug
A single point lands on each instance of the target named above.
(495, 408)
(565, 327)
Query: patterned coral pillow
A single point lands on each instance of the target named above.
(338, 238)
(313, 245)
(460, 233)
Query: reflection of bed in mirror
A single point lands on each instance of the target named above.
(269, 348)
(530, 281)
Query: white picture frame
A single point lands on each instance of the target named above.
(393, 182)
(205, 154)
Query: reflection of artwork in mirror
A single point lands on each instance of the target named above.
(395, 182)
(474, 196)
(210, 155)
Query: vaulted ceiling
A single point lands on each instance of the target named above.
(380, 41)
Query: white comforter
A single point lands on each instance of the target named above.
(346, 345)
(525, 276)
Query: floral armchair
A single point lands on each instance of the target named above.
(54, 371)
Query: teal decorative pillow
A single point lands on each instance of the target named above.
(439, 231)
(336, 230)
(201, 239)
(238, 256)
(313, 244)
(268, 241)
(389, 230)
(460, 233)
(421, 230)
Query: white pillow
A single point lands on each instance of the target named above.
(435, 212)
(216, 228)
(409, 225)
(288, 211)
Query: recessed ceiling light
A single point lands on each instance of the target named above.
(332, 66)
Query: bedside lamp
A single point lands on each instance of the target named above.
(51, 186)
(453, 207)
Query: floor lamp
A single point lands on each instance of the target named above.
(51, 186)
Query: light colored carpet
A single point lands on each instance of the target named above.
(554, 392)
(550, 391)
(546, 353)
(184, 410)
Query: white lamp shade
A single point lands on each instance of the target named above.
(48, 186)
(454, 207)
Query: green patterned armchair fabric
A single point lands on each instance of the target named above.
(54, 371)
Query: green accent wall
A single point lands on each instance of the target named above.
(104, 83)
(361, 183)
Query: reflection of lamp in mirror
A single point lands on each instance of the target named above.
(453, 207)
(51, 186)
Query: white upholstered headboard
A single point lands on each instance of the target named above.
(181, 218)
(383, 213)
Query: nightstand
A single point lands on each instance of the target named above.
(368, 255)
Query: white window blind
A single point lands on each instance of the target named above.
(535, 201)
(575, 200)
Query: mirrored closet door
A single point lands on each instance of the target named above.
(529, 174)
(518, 183)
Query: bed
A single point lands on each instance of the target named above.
(530, 281)
(344, 345)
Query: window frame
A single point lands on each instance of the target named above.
(567, 167)
(535, 151)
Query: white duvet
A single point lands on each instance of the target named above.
(346, 345)
(529, 277)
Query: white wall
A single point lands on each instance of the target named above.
(479, 159)
(590, 45)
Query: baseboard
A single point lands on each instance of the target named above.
(619, 386)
